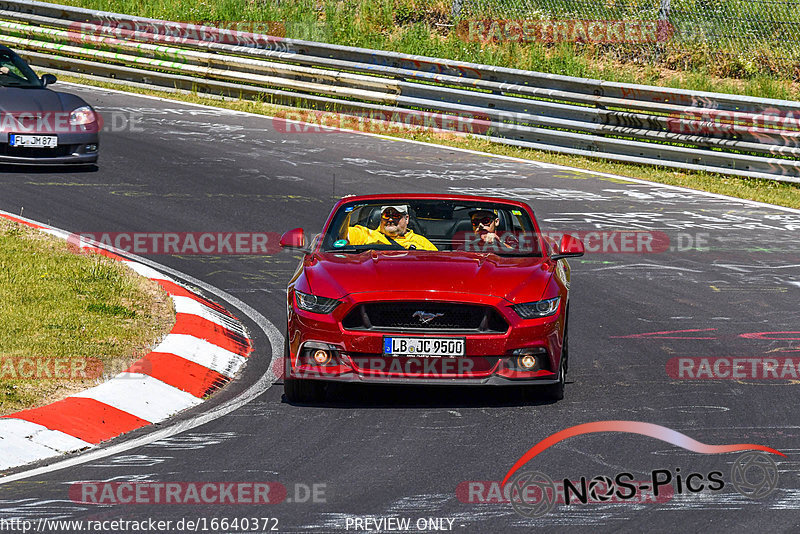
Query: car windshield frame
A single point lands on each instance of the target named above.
(18, 66)
(432, 212)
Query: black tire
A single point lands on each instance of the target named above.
(552, 392)
(564, 351)
(299, 390)
(556, 391)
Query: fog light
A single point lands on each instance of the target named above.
(91, 148)
(322, 357)
(526, 361)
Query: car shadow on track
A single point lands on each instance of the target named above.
(47, 169)
(415, 396)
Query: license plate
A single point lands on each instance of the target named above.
(430, 347)
(36, 141)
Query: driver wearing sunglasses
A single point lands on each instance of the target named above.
(484, 224)
(392, 229)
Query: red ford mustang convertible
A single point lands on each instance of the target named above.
(428, 289)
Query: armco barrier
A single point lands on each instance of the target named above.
(728, 134)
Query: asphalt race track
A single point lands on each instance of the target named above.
(379, 452)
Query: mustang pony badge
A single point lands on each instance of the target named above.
(425, 317)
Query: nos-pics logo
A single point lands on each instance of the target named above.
(533, 494)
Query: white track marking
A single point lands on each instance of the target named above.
(147, 272)
(200, 351)
(23, 442)
(190, 306)
(141, 395)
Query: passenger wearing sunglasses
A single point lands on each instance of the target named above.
(393, 229)
(484, 224)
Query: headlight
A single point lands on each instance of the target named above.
(313, 303)
(82, 115)
(533, 310)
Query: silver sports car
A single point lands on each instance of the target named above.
(39, 126)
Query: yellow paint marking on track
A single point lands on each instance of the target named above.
(749, 288)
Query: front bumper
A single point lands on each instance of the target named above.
(357, 356)
(311, 373)
(72, 149)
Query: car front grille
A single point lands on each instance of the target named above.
(431, 317)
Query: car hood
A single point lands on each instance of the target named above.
(520, 279)
(19, 100)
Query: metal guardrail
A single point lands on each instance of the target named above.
(728, 134)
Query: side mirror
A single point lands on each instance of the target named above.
(48, 79)
(569, 247)
(294, 239)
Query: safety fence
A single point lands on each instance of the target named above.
(727, 134)
(737, 26)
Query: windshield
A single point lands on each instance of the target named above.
(14, 72)
(432, 225)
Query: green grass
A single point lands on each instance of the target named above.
(772, 192)
(423, 27)
(62, 305)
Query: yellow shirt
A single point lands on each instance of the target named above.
(360, 235)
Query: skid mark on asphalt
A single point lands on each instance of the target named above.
(656, 195)
(35, 509)
(781, 499)
(750, 288)
(193, 441)
(193, 111)
(132, 460)
(361, 162)
(680, 220)
(255, 259)
(645, 266)
(577, 175)
(82, 184)
(256, 197)
(531, 193)
(743, 268)
(427, 174)
(256, 290)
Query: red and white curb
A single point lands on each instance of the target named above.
(204, 350)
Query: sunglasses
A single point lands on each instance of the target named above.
(486, 221)
(392, 216)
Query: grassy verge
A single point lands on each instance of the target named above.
(772, 192)
(424, 27)
(69, 320)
